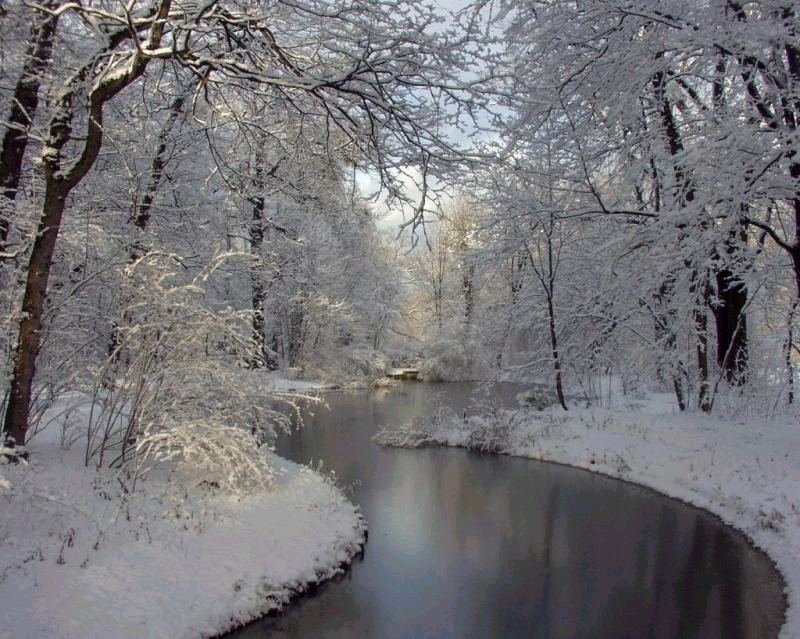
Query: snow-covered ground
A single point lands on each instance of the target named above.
(744, 469)
(80, 557)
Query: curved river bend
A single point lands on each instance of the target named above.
(472, 545)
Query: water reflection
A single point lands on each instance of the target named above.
(470, 545)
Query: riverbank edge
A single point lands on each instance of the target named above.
(773, 532)
(292, 592)
(764, 550)
(186, 567)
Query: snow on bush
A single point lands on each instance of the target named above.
(489, 431)
(175, 390)
(452, 354)
(197, 450)
(538, 398)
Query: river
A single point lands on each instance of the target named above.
(463, 544)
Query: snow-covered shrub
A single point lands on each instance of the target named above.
(413, 434)
(488, 433)
(174, 389)
(208, 452)
(451, 354)
(538, 398)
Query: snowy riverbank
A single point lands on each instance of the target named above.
(745, 470)
(78, 558)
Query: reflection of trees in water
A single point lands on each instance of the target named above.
(467, 544)
(658, 567)
(550, 518)
(712, 562)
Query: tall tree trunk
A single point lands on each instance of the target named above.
(24, 103)
(30, 327)
(663, 316)
(467, 285)
(731, 326)
(731, 295)
(729, 315)
(263, 355)
(662, 327)
(258, 295)
(700, 314)
(551, 318)
(295, 329)
(546, 274)
(550, 284)
(794, 249)
(516, 276)
(59, 182)
(685, 195)
(141, 213)
(790, 346)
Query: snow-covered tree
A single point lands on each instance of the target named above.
(378, 77)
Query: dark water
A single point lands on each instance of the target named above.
(471, 545)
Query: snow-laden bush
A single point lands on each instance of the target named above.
(452, 354)
(173, 391)
(490, 430)
(488, 433)
(538, 398)
(207, 452)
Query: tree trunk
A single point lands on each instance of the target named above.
(467, 284)
(704, 388)
(515, 281)
(263, 355)
(731, 322)
(59, 182)
(258, 295)
(789, 348)
(554, 347)
(24, 104)
(30, 327)
(295, 329)
(141, 213)
(795, 247)
(685, 195)
(662, 328)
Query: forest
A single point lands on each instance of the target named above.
(200, 197)
(602, 188)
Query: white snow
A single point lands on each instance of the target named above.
(279, 382)
(78, 558)
(744, 469)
